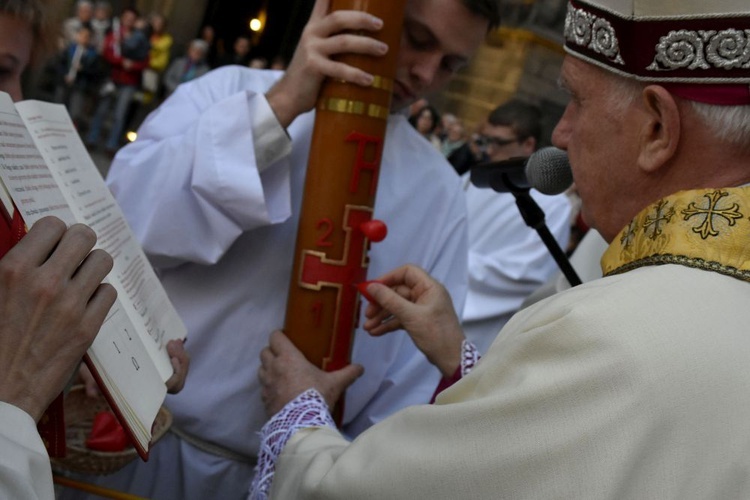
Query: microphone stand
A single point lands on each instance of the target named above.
(533, 215)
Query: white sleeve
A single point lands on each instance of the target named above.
(208, 165)
(507, 259)
(24, 464)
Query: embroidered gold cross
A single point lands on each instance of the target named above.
(661, 217)
(712, 211)
(629, 235)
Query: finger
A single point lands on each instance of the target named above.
(343, 72)
(277, 342)
(381, 317)
(340, 20)
(382, 328)
(389, 299)
(262, 374)
(346, 376)
(41, 239)
(320, 9)
(75, 244)
(89, 275)
(394, 277)
(266, 357)
(281, 345)
(97, 309)
(348, 43)
(372, 309)
(180, 360)
(92, 388)
(415, 276)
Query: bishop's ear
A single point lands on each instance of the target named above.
(660, 130)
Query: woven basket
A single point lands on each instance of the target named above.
(80, 410)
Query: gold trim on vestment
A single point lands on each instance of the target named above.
(705, 229)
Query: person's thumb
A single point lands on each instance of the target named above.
(387, 298)
(347, 375)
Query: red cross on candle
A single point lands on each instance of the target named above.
(318, 271)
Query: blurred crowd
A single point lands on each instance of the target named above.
(465, 146)
(111, 69)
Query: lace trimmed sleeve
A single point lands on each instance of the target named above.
(469, 358)
(307, 410)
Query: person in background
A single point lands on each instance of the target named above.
(507, 259)
(188, 67)
(126, 50)
(279, 63)
(84, 16)
(455, 134)
(417, 105)
(212, 188)
(158, 57)
(101, 24)
(258, 63)
(79, 74)
(215, 49)
(631, 386)
(240, 55)
(425, 121)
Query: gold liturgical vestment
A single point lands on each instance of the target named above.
(633, 386)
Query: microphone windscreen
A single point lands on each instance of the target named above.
(548, 171)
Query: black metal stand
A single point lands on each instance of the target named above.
(533, 215)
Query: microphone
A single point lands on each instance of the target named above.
(547, 171)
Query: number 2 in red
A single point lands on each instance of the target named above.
(327, 226)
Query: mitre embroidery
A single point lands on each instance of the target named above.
(594, 32)
(726, 49)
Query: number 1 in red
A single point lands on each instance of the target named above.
(317, 310)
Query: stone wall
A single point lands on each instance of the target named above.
(513, 62)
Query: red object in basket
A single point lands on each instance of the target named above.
(106, 433)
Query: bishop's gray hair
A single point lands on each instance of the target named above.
(729, 125)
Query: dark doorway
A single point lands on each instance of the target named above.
(284, 23)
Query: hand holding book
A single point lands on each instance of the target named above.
(50, 310)
(47, 171)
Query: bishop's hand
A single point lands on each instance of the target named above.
(408, 298)
(285, 373)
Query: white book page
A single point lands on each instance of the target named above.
(25, 175)
(92, 203)
(118, 350)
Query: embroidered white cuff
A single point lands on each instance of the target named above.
(309, 409)
(469, 357)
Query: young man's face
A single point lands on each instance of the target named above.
(16, 41)
(501, 142)
(439, 38)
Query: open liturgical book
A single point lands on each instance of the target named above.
(46, 170)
